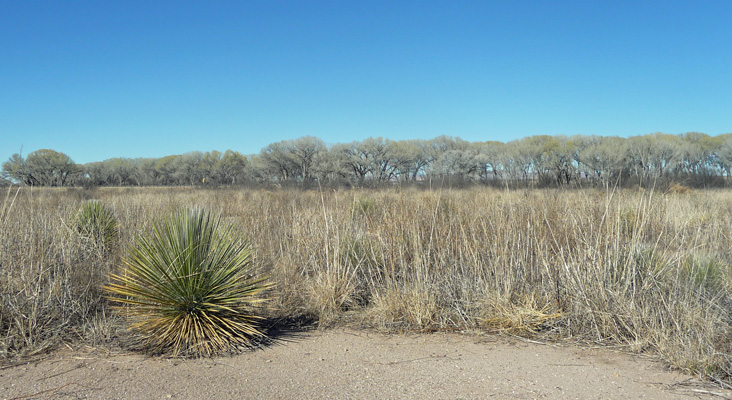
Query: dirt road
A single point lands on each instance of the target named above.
(349, 364)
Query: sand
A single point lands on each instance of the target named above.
(355, 364)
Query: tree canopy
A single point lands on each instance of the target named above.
(692, 158)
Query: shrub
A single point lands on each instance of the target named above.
(677, 188)
(188, 286)
(365, 206)
(96, 222)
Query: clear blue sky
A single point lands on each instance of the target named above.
(101, 79)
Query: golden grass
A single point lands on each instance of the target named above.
(644, 269)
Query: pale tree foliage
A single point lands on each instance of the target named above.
(602, 158)
(217, 168)
(42, 168)
(654, 156)
(292, 159)
(275, 160)
(561, 154)
(412, 157)
(640, 152)
(304, 150)
(372, 158)
(698, 154)
(665, 154)
(382, 158)
(518, 160)
(207, 165)
(165, 168)
(492, 156)
(443, 143)
(552, 158)
(724, 154)
(350, 157)
(187, 168)
(145, 174)
(331, 166)
(691, 158)
(231, 168)
(115, 171)
(15, 168)
(260, 169)
(464, 164)
(534, 146)
(192, 168)
(453, 158)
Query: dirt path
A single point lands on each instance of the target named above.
(359, 365)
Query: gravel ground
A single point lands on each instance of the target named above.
(354, 364)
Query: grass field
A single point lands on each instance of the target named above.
(644, 270)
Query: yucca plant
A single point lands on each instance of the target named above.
(188, 286)
(97, 222)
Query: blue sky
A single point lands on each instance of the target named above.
(102, 79)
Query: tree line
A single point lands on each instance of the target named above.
(695, 159)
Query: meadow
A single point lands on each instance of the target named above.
(642, 270)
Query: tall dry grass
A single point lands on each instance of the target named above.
(642, 269)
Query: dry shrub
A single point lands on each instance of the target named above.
(331, 291)
(677, 188)
(405, 309)
(526, 318)
(50, 277)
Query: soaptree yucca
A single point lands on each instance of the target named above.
(97, 222)
(188, 287)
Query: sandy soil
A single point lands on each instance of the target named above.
(349, 364)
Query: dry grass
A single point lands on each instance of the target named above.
(644, 269)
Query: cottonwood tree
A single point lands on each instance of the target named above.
(187, 168)
(165, 169)
(552, 157)
(231, 168)
(653, 156)
(291, 159)
(562, 154)
(16, 168)
(724, 154)
(665, 154)
(42, 168)
(693, 158)
(451, 157)
(462, 164)
(518, 161)
(355, 158)
(492, 156)
(380, 153)
(602, 158)
(331, 166)
(303, 151)
(698, 155)
(145, 173)
(275, 162)
(121, 171)
(412, 157)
